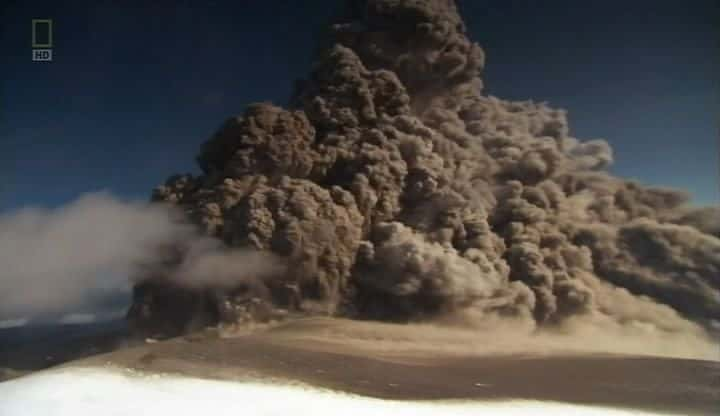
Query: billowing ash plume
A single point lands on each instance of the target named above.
(393, 189)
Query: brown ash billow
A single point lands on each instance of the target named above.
(393, 189)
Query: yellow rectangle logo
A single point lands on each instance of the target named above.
(48, 40)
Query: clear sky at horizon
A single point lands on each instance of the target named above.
(135, 86)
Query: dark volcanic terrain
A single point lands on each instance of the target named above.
(397, 362)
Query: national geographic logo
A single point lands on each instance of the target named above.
(42, 39)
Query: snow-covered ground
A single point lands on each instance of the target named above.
(110, 392)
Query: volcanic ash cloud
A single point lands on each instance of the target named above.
(393, 189)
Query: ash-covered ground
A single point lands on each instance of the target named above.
(330, 366)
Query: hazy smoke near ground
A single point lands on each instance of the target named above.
(396, 190)
(54, 261)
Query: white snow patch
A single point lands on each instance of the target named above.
(78, 318)
(98, 391)
(13, 323)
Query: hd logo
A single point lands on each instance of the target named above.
(42, 39)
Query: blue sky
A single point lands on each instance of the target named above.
(135, 87)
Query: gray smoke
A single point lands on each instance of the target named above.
(396, 190)
(61, 260)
